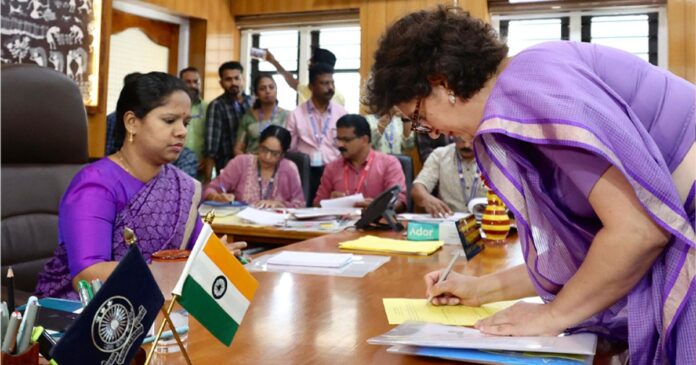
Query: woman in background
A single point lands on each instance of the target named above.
(264, 113)
(265, 180)
(136, 187)
(591, 148)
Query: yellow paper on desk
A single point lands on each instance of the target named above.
(379, 244)
(401, 310)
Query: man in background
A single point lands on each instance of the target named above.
(112, 145)
(195, 139)
(454, 168)
(360, 168)
(222, 119)
(319, 55)
(312, 124)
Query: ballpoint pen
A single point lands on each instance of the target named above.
(445, 274)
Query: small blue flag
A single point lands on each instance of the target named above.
(111, 328)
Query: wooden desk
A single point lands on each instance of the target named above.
(311, 319)
(238, 231)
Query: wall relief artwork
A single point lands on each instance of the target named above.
(61, 34)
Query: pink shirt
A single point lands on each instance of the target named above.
(340, 175)
(312, 131)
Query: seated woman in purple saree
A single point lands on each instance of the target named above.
(593, 151)
(101, 201)
(136, 187)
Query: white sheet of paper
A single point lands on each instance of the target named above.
(448, 233)
(263, 217)
(425, 217)
(309, 213)
(342, 202)
(439, 335)
(312, 259)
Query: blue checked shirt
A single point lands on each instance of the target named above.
(112, 145)
(222, 122)
(187, 162)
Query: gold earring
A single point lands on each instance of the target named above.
(451, 97)
(130, 137)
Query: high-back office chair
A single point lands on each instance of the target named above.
(407, 167)
(303, 165)
(44, 144)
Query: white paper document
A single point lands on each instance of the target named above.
(439, 335)
(311, 213)
(343, 202)
(262, 217)
(426, 217)
(311, 259)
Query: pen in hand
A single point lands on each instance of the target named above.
(445, 274)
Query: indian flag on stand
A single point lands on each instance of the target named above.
(214, 287)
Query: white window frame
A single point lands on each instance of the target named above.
(575, 23)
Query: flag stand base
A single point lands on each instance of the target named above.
(165, 313)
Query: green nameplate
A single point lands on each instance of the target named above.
(420, 231)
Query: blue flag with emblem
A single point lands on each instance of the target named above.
(111, 328)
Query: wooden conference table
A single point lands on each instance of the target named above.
(312, 319)
(238, 231)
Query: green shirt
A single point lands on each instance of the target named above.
(250, 129)
(195, 139)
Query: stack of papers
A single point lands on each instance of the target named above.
(387, 245)
(311, 213)
(462, 343)
(262, 217)
(418, 310)
(425, 217)
(343, 202)
(311, 259)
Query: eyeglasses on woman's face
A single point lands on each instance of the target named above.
(417, 124)
(263, 150)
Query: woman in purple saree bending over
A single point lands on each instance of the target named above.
(136, 187)
(591, 148)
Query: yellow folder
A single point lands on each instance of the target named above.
(388, 245)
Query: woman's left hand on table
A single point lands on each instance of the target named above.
(523, 319)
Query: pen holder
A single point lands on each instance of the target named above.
(28, 357)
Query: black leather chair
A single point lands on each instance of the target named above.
(44, 144)
(303, 165)
(407, 167)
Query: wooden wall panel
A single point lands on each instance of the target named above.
(221, 42)
(681, 20)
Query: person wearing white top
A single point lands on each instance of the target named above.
(454, 168)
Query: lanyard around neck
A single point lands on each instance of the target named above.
(390, 136)
(462, 180)
(361, 179)
(315, 128)
(268, 123)
(265, 194)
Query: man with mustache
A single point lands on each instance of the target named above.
(360, 168)
(223, 116)
(195, 139)
(312, 124)
(454, 168)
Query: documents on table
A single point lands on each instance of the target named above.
(388, 245)
(426, 217)
(357, 267)
(311, 213)
(262, 217)
(492, 356)
(439, 335)
(343, 202)
(311, 259)
(402, 310)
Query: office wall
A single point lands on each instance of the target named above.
(214, 39)
(375, 15)
(681, 15)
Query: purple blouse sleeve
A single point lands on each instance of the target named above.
(577, 173)
(87, 213)
(194, 234)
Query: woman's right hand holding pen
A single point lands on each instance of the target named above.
(457, 289)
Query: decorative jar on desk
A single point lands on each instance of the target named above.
(495, 222)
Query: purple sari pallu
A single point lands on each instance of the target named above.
(157, 213)
(639, 119)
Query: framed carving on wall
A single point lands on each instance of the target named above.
(64, 35)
